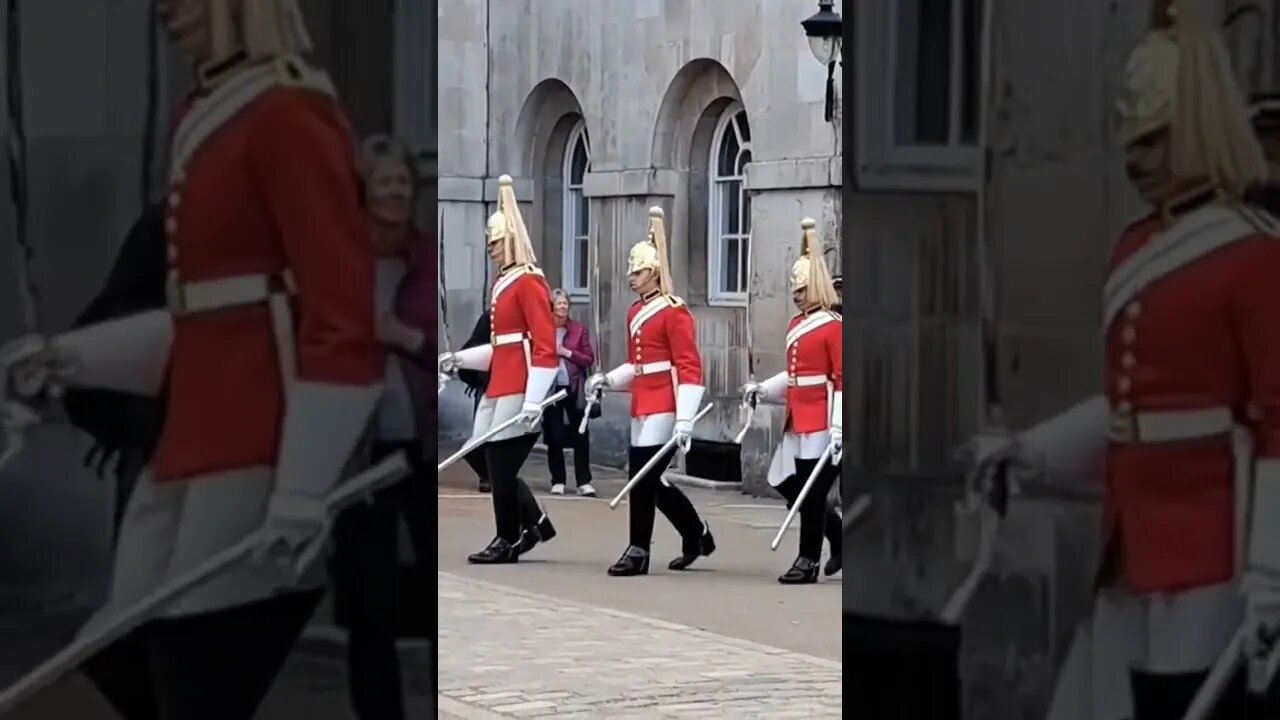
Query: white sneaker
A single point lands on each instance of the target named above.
(587, 491)
(557, 489)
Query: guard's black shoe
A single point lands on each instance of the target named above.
(701, 546)
(803, 572)
(499, 552)
(546, 530)
(528, 541)
(634, 561)
(835, 564)
(485, 486)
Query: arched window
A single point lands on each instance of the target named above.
(575, 243)
(729, 221)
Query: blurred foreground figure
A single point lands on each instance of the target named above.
(1186, 436)
(266, 354)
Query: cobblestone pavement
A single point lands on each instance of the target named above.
(553, 636)
(551, 658)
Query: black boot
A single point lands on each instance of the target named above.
(484, 486)
(693, 548)
(499, 552)
(1163, 696)
(835, 563)
(539, 533)
(634, 561)
(803, 572)
(546, 531)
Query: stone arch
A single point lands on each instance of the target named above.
(691, 108)
(543, 129)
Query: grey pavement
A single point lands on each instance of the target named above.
(554, 636)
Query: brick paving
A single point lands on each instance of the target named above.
(507, 653)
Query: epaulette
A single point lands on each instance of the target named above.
(534, 269)
(674, 301)
(292, 71)
(835, 315)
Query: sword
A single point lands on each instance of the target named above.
(442, 378)
(748, 407)
(804, 492)
(467, 448)
(112, 629)
(653, 461)
(594, 398)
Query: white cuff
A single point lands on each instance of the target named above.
(130, 354)
(774, 389)
(620, 377)
(475, 358)
(837, 410)
(538, 386)
(322, 425)
(1262, 552)
(688, 398)
(1071, 446)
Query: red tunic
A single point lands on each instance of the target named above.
(661, 330)
(1189, 334)
(521, 306)
(272, 188)
(815, 350)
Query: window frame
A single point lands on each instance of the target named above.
(569, 238)
(716, 295)
(883, 163)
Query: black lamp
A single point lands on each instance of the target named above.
(825, 31)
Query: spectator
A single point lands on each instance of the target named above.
(560, 422)
(366, 558)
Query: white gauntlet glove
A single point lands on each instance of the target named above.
(597, 383)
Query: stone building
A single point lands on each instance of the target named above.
(712, 110)
(95, 151)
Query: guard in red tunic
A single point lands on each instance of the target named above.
(664, 376)
(812, 387)
(267, 350)
(521, 361)
(1186, 436)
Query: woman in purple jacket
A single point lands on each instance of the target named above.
(560, 421)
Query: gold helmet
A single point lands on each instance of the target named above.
(651, 254)
(268, 29)
(507, 226)
(1180, 78)
(810, 272)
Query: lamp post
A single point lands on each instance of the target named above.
(825, 31)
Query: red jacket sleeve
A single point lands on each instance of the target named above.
(303, 159)
(835, 354)
(682, 337)
(535, 305)
(1256, 313)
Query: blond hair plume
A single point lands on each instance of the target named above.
(810, 271)
(658, 236)
(1211, 135)
(517, 248)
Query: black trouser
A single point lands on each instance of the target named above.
(650, 494)
(513, 503)
(1167, 697)
(817, 517)
(211, 666)
(366, 571)
(560, 430)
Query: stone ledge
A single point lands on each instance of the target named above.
(644, 182)
(801, 174)
(455, 188)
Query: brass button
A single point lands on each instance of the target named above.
(1123, 383)
(174, 199)
(1124, 406)
(1127, 360)
(1128, 334)
(171, 225)
(173, 253)
(1133, 310)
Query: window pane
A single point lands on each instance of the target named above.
(579, 167)
(971, 76)
(583, 255)
(728, 153)
(741, 121)
(729, 199)
(746, 213)
(744, 159)
(730, 266)
(583, 218)
(922, 108)
(745, 282)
